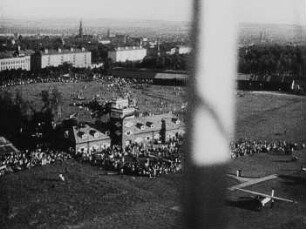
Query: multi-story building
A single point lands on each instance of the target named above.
(123, 54)
(126, 128)
(79, 58)
(154, 128)
(15, 60)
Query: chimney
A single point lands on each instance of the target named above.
(46, 51)
(59, 50)
(71, 49)
(83, 49)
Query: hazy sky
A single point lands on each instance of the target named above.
(272, 11)
(262, 11)
(174, 10)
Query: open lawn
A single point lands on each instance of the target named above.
(151, 98)
(37, 199)
(271, 116)
(290, 183)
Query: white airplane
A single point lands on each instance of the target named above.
(263, 199)
(61, 176)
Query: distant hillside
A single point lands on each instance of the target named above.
(248, 33)
(96, 25)
(271, 33)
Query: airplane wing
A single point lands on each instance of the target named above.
(265, 195)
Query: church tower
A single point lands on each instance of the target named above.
(81, 29)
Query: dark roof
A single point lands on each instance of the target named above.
(89, 132)
(152, 123)
(12, 54)
(6, 147)
(63, 51)
(122, 69)
(265, 78)
(8, 54)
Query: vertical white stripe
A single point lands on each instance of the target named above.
(215, 72)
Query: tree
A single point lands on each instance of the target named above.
(108, 65)
(52, 100)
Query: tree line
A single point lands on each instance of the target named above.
(25, 125)
(165, 61)
(279, 60)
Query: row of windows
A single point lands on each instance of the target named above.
(14, 62)
(62, 61)
(94, 147)
(149, 138)
(14, 67)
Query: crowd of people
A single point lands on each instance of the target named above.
(34, 78)
(138, 159)
(245, 147)
(27, 159)
(135, 159)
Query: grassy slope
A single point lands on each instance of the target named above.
(267, 116)
(36, 198)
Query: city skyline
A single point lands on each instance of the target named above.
(247, 11)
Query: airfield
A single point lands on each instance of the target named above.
(290, 182)
(150, 98)
(36, 198)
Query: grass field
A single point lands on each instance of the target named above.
(37, 199)
(268, 115)
(291, 184)
(154, 98)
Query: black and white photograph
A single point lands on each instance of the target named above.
(153, 114)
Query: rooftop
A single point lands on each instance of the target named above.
(62, 51)
(6, 146)
(13, 54)
(128, 48)
(87, 133)
(151, 123)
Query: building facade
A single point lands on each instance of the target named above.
(15, 63)
(127, 54)
(154, 128)
(127, 128)
(15, 60)
(79, 58)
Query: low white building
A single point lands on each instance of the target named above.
(79, 58)
(180, 50)
(124, 54)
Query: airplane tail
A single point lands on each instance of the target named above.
(272, 192)
(272, 200)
